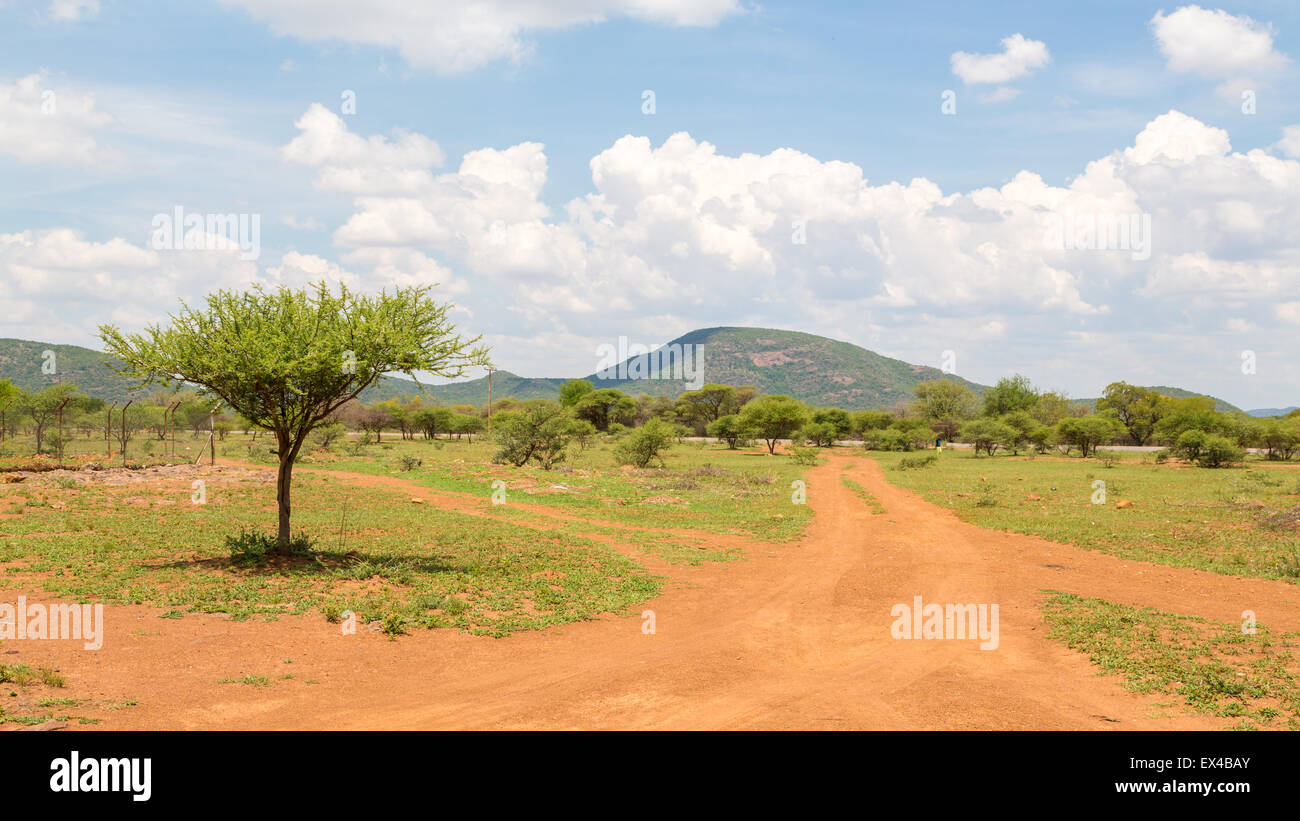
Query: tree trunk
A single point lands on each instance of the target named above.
(282, 482)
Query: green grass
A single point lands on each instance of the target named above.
(21, 674)
(1240, 521)
(702, 487)
(391, 562)
(864, 494)
(1213, 667)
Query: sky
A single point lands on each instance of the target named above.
(1083, 194)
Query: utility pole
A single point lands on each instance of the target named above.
(212, 434)
(124, 407)
(108, 429)
(171, 409)
(61, 406)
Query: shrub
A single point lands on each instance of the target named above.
(645, 444)
(730, 429)
(1219, 451)
(324, 437)
(821, 434)
(988, 435)
(1086, 432)
(252, 546)
(1189, 444)
(803, 456)
(917, 462)
(540, 432)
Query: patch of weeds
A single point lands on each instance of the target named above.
(917, 462)
(21, 674)
(255, 547)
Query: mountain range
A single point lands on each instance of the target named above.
(814, 369)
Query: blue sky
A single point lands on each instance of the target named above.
(196, 106)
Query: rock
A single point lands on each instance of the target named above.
(1123, 503)
(416, 501)
(45, 725)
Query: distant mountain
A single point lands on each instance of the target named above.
(817, 370)
(814, 369)
(23, 362)
(811, 368)
(1272, 411)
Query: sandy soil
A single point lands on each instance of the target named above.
(797, 636)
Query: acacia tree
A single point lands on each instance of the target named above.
(286, 359)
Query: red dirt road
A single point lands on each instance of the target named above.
(796, 636)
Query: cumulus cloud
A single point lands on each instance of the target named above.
(682, 230)
(67, 11)
(44, 124)
(351, 164)
(1019, 57)
(1235, 50)
(1290, 142)
(452, 36)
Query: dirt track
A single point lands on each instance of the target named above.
(795, 637)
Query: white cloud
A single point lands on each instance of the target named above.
(351, 164)
(1290, 142)
(1018, 58)
(675, 229)
(67, 11)
(1001, 94)
(452, 36)
(44, 124)
(1236, 50)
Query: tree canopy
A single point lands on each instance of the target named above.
(286, 359)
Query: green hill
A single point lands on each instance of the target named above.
(814, 369)
(94, 372)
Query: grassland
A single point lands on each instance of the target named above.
(1236, 521)
(564, 546)
(1211, 667)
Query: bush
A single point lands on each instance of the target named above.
(803, 456)
(252, 546)
(821, 434)
(988, 435)
(917, 462)
(1087, 432)
(1189, 444)
(540, 432)
(645, 444)
(1219, 451)
(324, 437)
(888, 439)
(730, 429)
